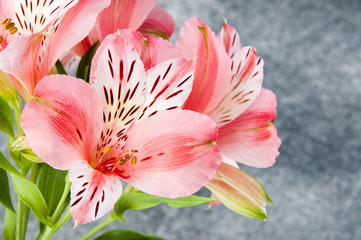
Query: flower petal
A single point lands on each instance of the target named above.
(118, 75)
(158, 23)
(63, 121)
(127, 91)
(168, 86)
(230, 39)
(73, 27)
(177, 154)
(121, 15)
(251, 138)
(153, 51)
(213, 67)
(247, 70)
(35, 16)
(93, 193)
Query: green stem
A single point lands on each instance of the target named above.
(33, 177)
(19, 215)
(17, 110)
(49, 232)
(63, 201)
(99, 227)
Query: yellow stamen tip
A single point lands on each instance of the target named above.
(106, 150)
(134, 160)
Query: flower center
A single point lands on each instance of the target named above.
(121, 166)
(7, 28)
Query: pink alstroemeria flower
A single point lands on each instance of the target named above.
(141, 15)
(228, 87)
(34, 34)
(124, 125)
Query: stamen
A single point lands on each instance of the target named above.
(1, 39)
(134, 160)
(106, 150)
(6, 21)
(10, 25)
(13, 30)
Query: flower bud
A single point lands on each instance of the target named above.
(239, 192)
(21, 145)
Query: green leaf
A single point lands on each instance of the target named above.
(51, 183)
(85, 63)
(125, 234)
(9, 225)
(27, 191)
(138, 200)
(6, 118)
(5, 197)
(32, 197)
(60, 67)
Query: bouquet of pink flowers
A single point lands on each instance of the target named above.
(110, 102)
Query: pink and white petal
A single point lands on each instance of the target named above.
(158, 23)
(213, 67)
(245, 86)
(73, 27)
(118, 75)
(93, 194)
(251, 138)
(230, 39)
(168, 86)
(63, 122)
(123, 14)
(177, 153)
(35, 16)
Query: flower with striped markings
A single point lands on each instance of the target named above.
(228, 87)
(126, 124)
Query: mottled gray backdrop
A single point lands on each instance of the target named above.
(312, 60)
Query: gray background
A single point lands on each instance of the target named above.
(312, 60)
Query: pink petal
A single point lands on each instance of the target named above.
(230, 39)
(247, 70)
(93, 193)
(13, 60)
(251, 138)
(6, 9)
(213, 67)
(176, 154)
(73, 27)
(156, 50)
(123, 14)
(63, 121)
(158, 23)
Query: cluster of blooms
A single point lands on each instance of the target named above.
(168, 120)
